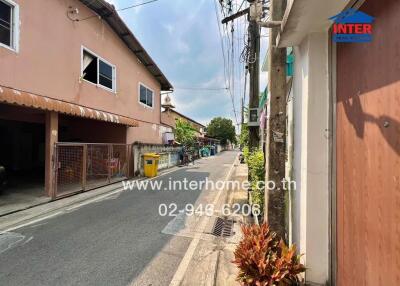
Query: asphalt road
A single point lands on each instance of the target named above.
(110, 242)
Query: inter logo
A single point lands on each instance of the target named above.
(352, 26)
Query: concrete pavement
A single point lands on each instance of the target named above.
(117, 240)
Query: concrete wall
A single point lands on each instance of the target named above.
(310, 204)
(48, 63)
(169, 156)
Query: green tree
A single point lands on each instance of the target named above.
(185, 133)
(222, 129)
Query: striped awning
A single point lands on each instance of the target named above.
(26, 99)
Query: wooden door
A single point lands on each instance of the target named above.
(368, 153)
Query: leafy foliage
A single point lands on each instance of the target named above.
(263, 260)
(185, 132)
(255, 162)
(246, 153)
(222, 129)
(244, 135)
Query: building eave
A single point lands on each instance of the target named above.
(307, 16)
(26, 99)
(108, 13)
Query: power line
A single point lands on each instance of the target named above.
(202, 88)
(221, 39)
(117, 10)
(241, 5)
(233, 67)
(231, 48)
(226, 69)
(233, 52)
(136, 5)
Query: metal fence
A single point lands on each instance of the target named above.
(81, 167)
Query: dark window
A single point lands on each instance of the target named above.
(89, 67)
(146, 96)
(97, 71)
(106, 75)
(5, 24)
(143, 94)
(149, 98)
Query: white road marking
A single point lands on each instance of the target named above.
(26, 241)
(32, 222)
(96, 199)
(9, 239)
(183, 266)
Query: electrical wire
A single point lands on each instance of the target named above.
(227, 59)
(201, 88)
(240, 6)
(221, 40)
(117, 10)
(233, 68)
(136, 5)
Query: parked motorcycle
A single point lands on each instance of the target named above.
(241, 158)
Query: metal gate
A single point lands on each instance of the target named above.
(368, 153)
(81, 167)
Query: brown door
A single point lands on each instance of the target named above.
(368, 153)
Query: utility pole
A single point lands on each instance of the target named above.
(276, 127)
(254, 71)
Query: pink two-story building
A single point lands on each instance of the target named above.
(71, 71)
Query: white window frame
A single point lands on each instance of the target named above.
(14, 25)
(114, 68)
(141, 103)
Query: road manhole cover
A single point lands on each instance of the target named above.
(223, 227)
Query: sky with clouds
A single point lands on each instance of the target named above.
(182, 36)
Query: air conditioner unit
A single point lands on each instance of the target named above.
(254, 117)
(168, 137)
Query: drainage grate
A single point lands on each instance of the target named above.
(223, 227)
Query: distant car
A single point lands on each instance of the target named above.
(2, 177)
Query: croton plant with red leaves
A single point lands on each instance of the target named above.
(265, 260)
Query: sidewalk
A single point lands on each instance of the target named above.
(226, 270)
(211, 262)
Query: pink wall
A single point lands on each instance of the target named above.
(145, 133)
(49, 63)
(168, 118)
